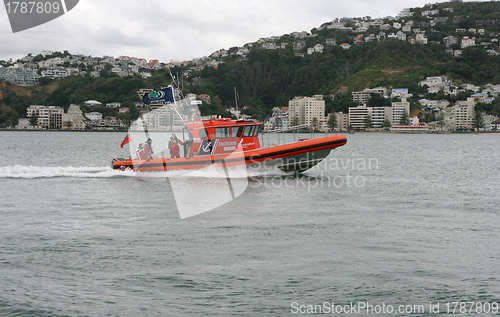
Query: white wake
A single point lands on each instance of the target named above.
(32, 172)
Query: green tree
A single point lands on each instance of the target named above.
(34, 120)
(332, 121)
(378, 101)
(4, 118)
(440, 120)
(13, 118)
(477, 120)
(386, 124)
(368, 122)
(405, 120)
(314, 123)
(125, 117)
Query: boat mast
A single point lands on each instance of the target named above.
(236, 100)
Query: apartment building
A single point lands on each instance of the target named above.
(358, 115)
(398, 109)
(342, 120)
(305, 109)
(379, 115)
(365, 95)
(463, 114)
(49, 117)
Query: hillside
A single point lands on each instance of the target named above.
(274, 70)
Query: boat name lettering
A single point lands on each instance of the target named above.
(227, 143)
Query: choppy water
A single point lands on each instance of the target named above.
(386, 220)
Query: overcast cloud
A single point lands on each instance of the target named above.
(179, 30)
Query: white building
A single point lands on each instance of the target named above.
(73, 119)
(379, 115)
(463, 114)
(94, 116)
(92, 103)
(400, 93)
(398, 109)
(436, 84)
(466, 42)
(434, 104)
(49, 117)
(24, 124)
(365, 95)
(113, 105)
(306, 109)
(358, 115)
(342, 120)
(279, 118)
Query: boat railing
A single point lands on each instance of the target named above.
(287, 135)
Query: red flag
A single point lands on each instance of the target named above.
(125, 141)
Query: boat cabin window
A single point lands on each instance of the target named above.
(221, 133)
(236, 132)
(257, 128)
(245, 131)
(249, 130)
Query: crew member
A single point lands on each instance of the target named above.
(173, 145)
(140, 152)
(148, 150)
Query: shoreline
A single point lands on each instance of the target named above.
(43, 130)
(332, 132)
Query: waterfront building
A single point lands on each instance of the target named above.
(49, 117)
(379, 115)
(279, 118)
(463, 113)
(24, 124)
(489, 122)
(73, 119)
(398, 109)
(342, 120)
(306, 109)
(410, 128)
(268, 126)
(161, 119)
(358, 115)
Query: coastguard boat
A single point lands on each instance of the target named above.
(215, 141)
(235, 142)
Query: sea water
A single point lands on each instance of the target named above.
(387, 225)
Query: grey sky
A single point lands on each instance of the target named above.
(180, 30)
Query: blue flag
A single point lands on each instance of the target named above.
(163, 96)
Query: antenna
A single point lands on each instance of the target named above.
(236, 97)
